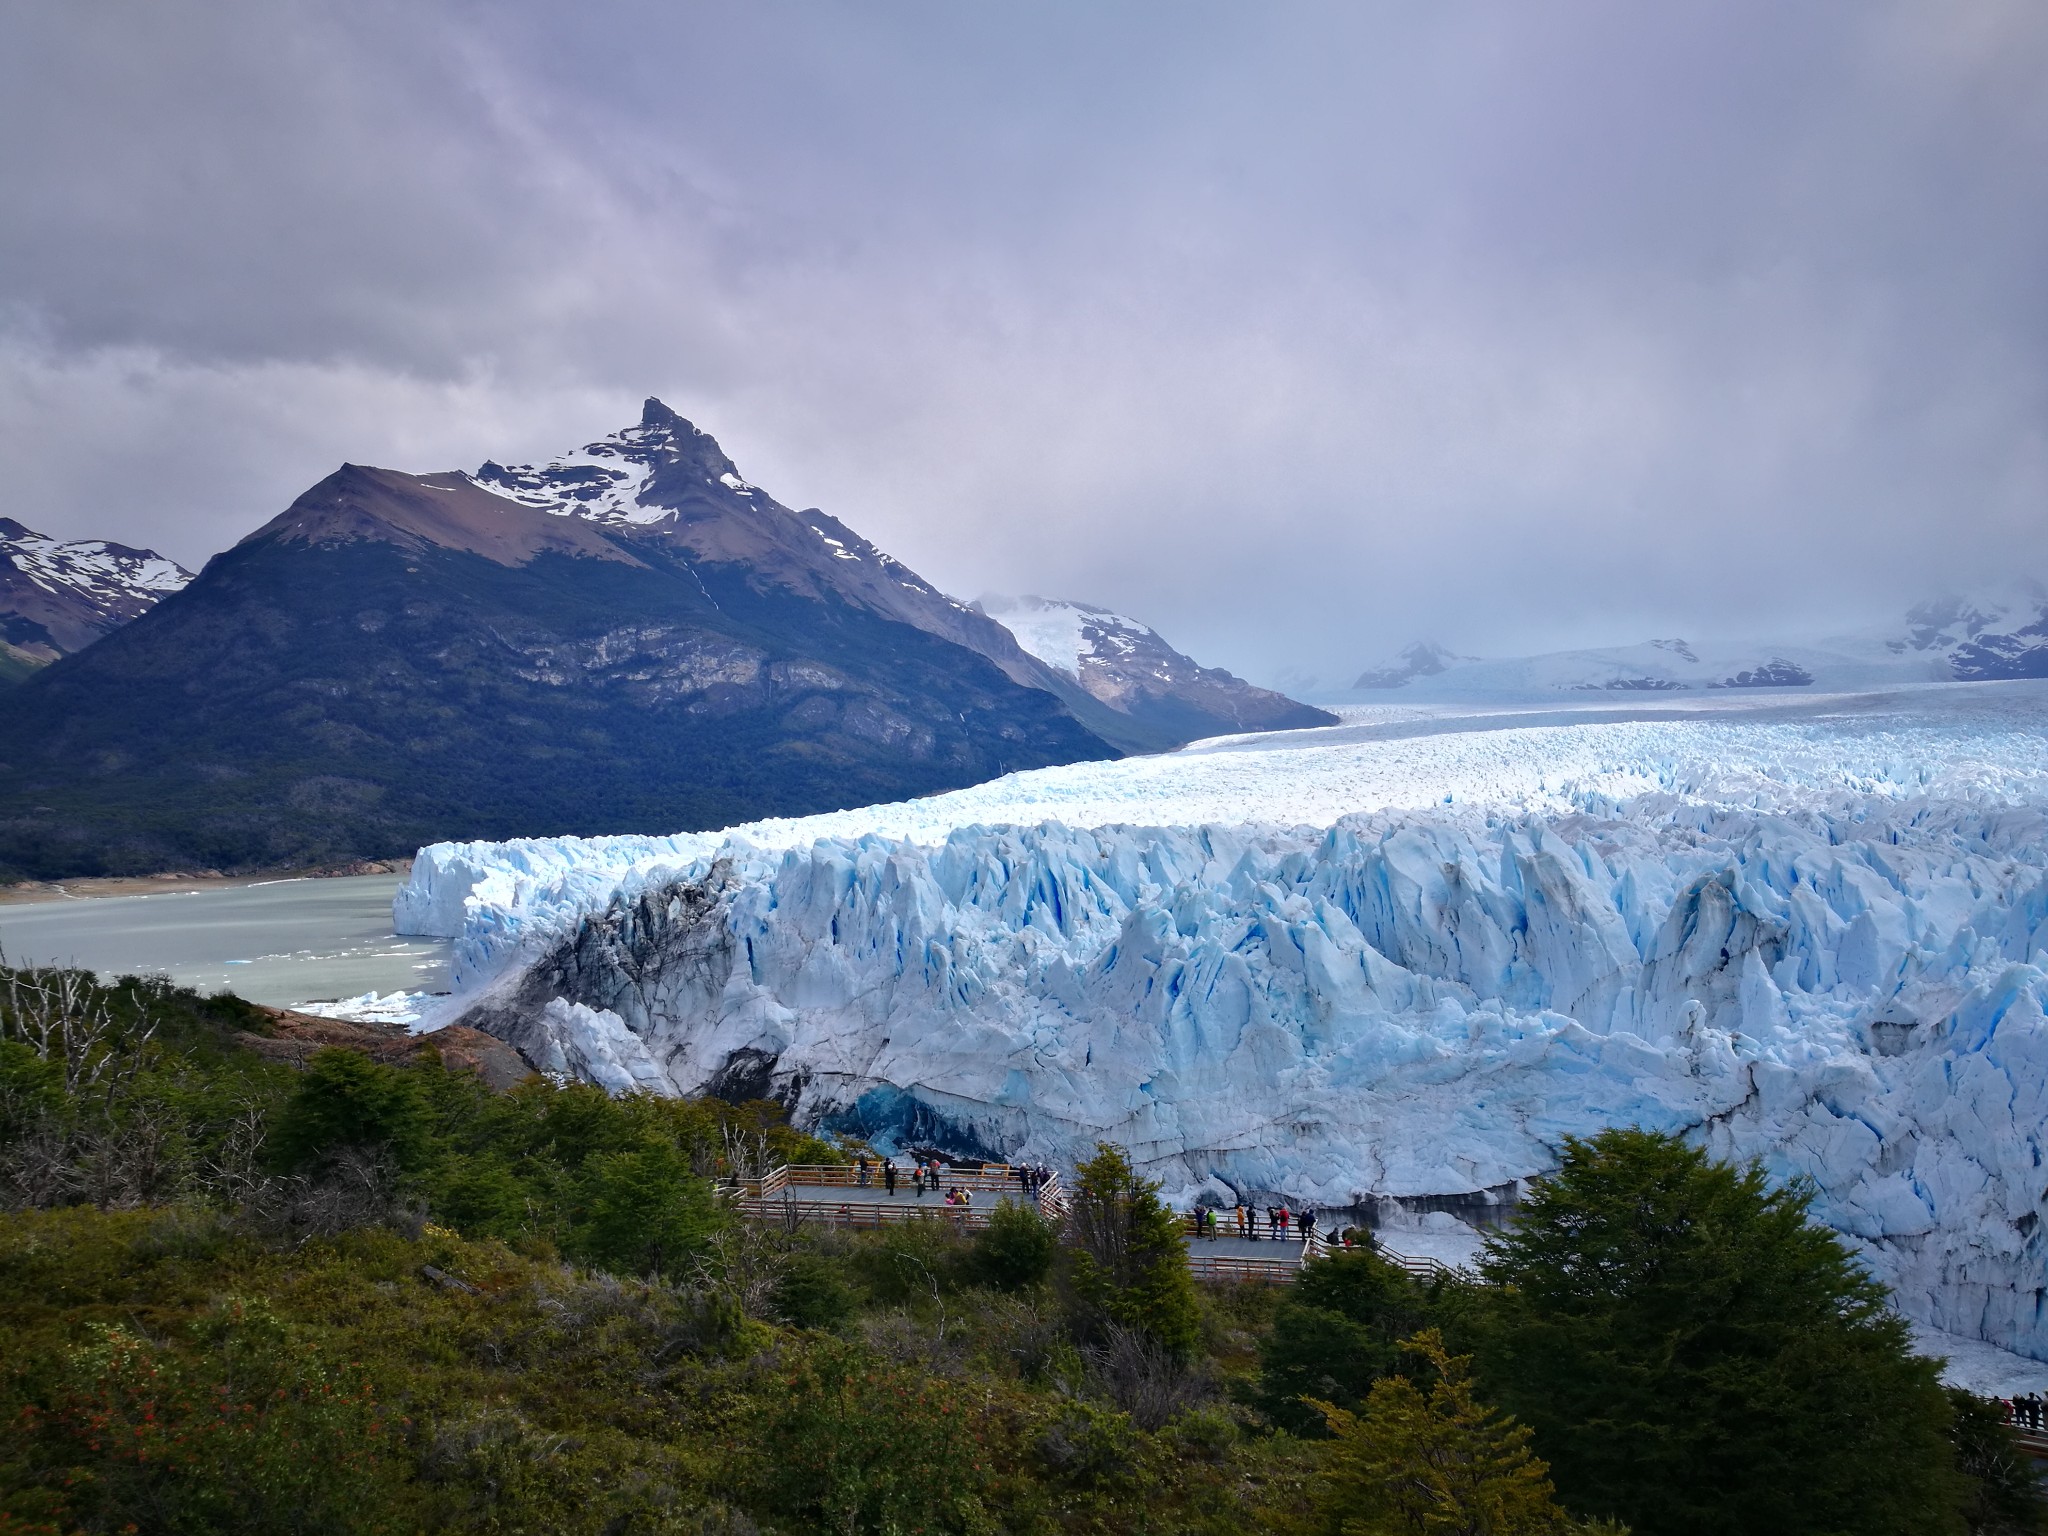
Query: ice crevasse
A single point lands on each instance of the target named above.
(1846, 983)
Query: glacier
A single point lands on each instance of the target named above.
(1404, 956)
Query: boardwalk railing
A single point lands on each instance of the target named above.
(799, 1192)
(832, 1194)
(1298, 1250)
(1241, 1267)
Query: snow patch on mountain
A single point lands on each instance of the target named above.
(602, 481)
(107, 574)
(59, 595)
(1130, 667)
(1425, 658)
(1990, 637)
(1068, 635)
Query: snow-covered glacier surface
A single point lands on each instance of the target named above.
(1394, 957)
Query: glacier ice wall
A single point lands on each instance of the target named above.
(1403, 1004)
(1822, 943)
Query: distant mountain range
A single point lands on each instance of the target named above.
(1949, 639)
(1129, 667)
(58, 596)
(628, 637)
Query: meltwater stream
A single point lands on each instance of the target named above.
(281, 942)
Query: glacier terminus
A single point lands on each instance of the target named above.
(1402, 956)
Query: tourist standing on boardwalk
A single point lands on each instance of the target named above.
(889, 1176)
(862, 1177)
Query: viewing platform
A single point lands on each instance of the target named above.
(833, 1195)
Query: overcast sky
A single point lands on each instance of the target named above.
(1296, 330)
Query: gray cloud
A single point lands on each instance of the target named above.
(1295, 330)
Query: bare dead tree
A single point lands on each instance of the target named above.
(235, 1169)
(56, 1014)
(747, 1261)
(1144, 1380)
(746, 1152)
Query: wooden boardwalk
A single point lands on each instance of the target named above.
(832, 1195)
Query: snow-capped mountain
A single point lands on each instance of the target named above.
(1425, 658)
(1984, 638)
(631, 636)
(1656, 666)
(1130, 667)
(664, 481)
(1962, 639)
(58, 596)
(1373, 960)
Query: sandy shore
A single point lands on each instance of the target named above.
(205, 880)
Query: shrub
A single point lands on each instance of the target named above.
(1015, 1251)
(2004, 1497)
(839, 1441)
(649, 1214)
(811, 1293)
(918, 1259)
(346, 1100)
(259, 1436)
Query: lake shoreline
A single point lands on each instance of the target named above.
(92, 887)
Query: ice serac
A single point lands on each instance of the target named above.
(1822, 944)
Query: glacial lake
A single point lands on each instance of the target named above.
(281, 942)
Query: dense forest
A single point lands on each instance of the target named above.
(243, 1294)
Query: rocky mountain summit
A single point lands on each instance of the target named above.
(59, 595)
(668, 483)
(1130, 667)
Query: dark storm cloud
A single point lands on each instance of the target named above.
(1296, 330)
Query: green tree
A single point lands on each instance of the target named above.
(347, 1100)
(1128, 1263)
(1015, 1251)
(1336, 1332)
(1698, 1358)
(648, 1213)
(1441, 1465)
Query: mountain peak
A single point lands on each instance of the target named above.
(639, 475)
(1420, 658)
(1130, 667)
(59, 595)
